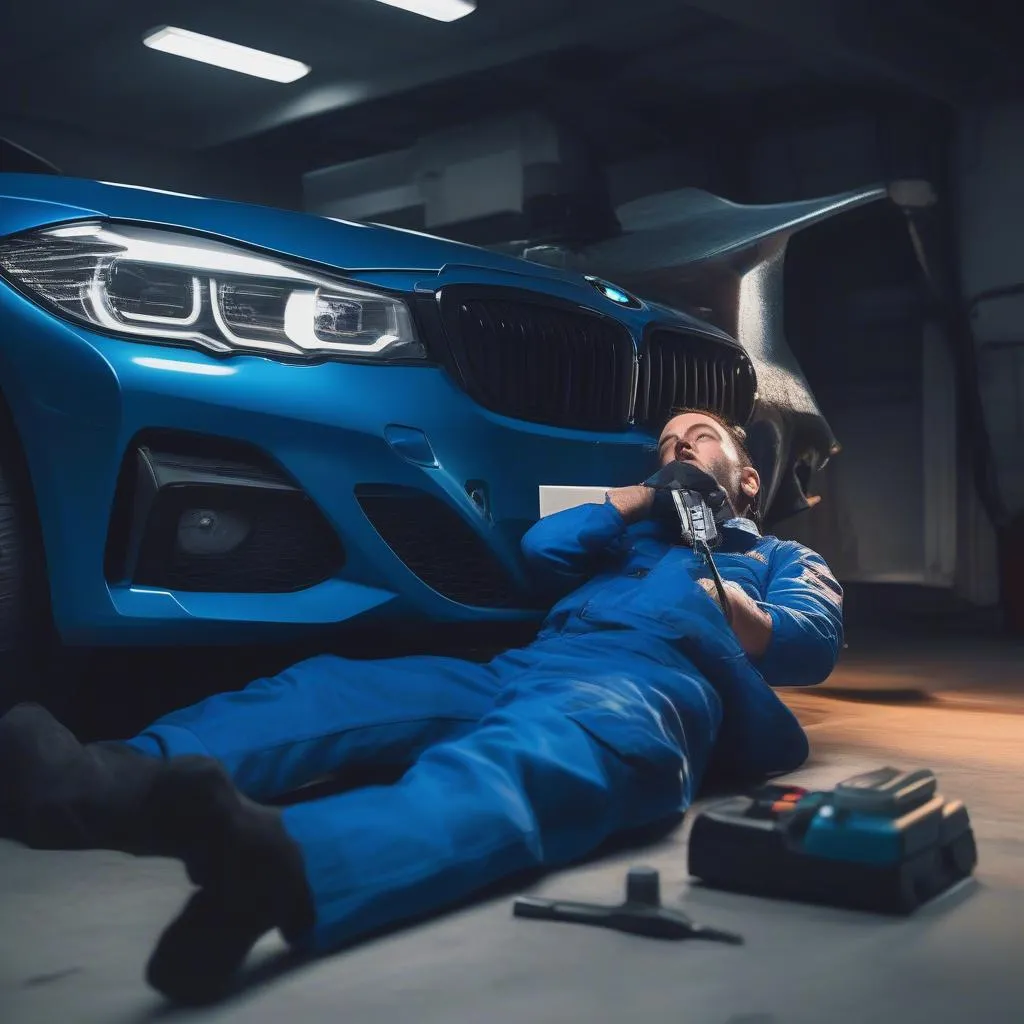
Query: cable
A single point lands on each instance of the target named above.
(723, 597)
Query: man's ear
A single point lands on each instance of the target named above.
(750, 482)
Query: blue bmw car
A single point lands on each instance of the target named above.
(225, 423)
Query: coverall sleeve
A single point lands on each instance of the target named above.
(565, 549)
(805, 603)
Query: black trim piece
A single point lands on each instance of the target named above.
(426, 316)
(279, 541)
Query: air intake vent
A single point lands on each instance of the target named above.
(439, 546)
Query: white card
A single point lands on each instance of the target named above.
(556, 498)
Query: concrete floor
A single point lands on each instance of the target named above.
(75, 929)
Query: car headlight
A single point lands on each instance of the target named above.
(174, 288)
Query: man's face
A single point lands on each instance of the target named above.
(693, 437)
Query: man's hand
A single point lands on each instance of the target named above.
(752, 626)
(633, 503)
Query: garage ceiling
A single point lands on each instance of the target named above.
(84, 65)
(628, 70)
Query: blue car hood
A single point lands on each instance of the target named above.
(32, 200)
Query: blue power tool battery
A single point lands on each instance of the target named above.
(885, 841)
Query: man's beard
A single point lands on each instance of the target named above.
(728, 478)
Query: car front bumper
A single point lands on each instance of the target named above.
(82, 400)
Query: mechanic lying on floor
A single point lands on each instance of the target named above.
(636, 686)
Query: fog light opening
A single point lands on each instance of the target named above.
(204, 531)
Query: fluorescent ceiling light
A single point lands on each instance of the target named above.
(223, 54)
(439, 10)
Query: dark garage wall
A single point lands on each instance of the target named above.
(900, 502)
(83, 155)
(990, 162)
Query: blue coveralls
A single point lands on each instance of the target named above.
(605, 723)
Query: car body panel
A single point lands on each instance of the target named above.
(691, 226)
(342, 245)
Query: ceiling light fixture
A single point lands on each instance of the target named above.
(439, 10)
(223, 54)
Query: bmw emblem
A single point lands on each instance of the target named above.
(613, 293)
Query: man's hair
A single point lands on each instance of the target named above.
(737, 435)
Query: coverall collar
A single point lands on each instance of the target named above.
(738, 534)
(747, 525)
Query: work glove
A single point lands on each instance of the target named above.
(697, 485)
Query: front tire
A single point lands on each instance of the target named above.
(28, 644)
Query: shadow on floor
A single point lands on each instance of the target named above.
(880, 696)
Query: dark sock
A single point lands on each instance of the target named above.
(201, 950)
(56, 793)
(252, 877)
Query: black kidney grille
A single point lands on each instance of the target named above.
(542, 363)
(438, 546)
(678, 370)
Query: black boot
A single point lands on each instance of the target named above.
(252, 876)
(57, 794)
